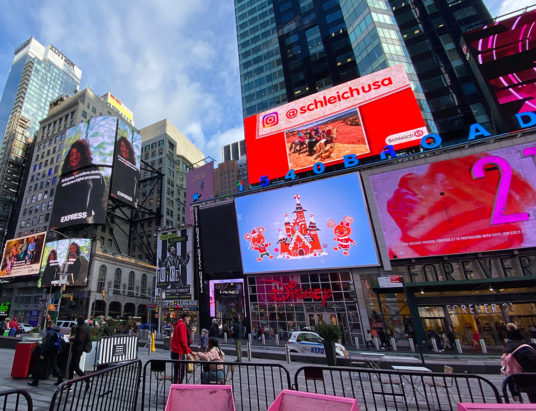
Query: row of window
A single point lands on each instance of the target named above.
(58, 124)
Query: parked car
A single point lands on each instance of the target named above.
(308, 342)
(26, 328)
(65, 326)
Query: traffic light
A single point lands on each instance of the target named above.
(103, 294)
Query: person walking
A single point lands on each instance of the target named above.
(214, 330)
(49, 355)
(238, 331)
(203, 340)
(180, 347)
(78, 340)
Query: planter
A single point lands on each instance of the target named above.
(329, 350)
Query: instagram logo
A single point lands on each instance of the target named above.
(270, 119)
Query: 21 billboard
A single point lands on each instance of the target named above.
(70, 257)
(359, 117)
(317, 225)
(22, 255)
(473, 203)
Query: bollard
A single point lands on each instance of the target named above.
(263, 339)
(249, 338)
(483, 346)
(277, 339)
(376, 343)
(356, 342)
(411, 344)
(287, 352)
(393, 344)
(225, 338)
(153, 347)
(434, 345)
(249, 351)
(458, 346)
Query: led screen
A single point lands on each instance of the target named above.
(126, 165)
(227, 298)
(174, 265)
(84, 185)
(505, 52)
(321, 224)
(359, 117)
(474, 203)
(65, 257)
(22, 255)
(219, 240)
(199, 187)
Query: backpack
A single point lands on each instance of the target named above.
(59, 342)
(88, 345)
(509, 363)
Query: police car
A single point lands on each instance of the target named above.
(308, 342)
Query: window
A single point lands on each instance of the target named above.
(117, 281)
(131, 277)
(102, 278)
(144, 285)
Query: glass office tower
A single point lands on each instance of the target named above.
(291, 48)
(37, 76)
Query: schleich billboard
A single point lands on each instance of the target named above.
(359, 117)
(321, 224)
(474, 203)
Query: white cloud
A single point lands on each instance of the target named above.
(163, 59)
(508, 6)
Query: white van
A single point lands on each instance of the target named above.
(65, 326)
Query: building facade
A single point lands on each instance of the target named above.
(234, 151)
(38, 74)
(168, 152)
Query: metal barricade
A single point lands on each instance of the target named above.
(520, 385)
(376, 389)
(114, 388)
(15, 400)
(255, 386)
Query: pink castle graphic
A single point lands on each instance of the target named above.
(299, 239)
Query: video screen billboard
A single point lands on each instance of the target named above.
(84, 185)
(174, 265)
(359, 117)
(22, 255)
(199, 187)
(505, 52)
(70, 257)
(318, 225)
(126, 165)
(474, 203)
(220, 250)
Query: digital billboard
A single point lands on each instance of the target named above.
(66, 256)
(472, 203)
(358, 117)
(174, 265)
(199, 187)
(318, 225)
(220, 249)
(84, 186)
(126, 165)
(504, 53)
(22, 255)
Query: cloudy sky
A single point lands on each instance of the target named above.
(174, 59)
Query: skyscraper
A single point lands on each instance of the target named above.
(289, 49)
(38, 75)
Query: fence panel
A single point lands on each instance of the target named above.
(376, 389)
(255, 385)
(15, 400)
(116, 349)
(113, 388)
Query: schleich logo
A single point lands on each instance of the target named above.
(291, 291)
(405, 136)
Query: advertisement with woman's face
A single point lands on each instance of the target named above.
(126, 165)
(475, 203)
(69, 257)
(82, 192)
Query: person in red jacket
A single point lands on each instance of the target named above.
(179, 346)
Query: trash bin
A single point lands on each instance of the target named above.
(21, 361)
